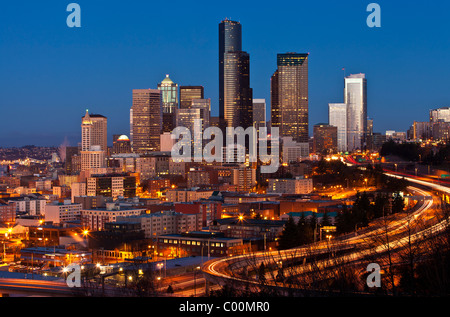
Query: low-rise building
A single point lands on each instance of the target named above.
(165, 222)
(95, 219)
(64, 212)
(298, 185)
(198, 243)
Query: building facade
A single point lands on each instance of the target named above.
(189, 93)
(146, 120)
(337, 116)
(355, 97)
(289, 96)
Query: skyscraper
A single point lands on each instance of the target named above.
(188, 93)
(337, 116)
(235, 94)
(259, 113)
(289, 96)
(169, 95)
(204, 105)
(355, 97)
(94, 131)
(146, 120)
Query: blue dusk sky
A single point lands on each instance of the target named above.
(50, 73)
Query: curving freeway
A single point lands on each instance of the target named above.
(346, 248)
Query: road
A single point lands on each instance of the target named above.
(27, 287)
(234, 269)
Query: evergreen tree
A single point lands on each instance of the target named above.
(289, 237)
(304, 231)
(326, 220)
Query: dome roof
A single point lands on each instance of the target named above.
(123, 137)
(167, 80)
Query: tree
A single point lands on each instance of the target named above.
(262, 273)
(289, 236)
(326, 220)
(398, 204)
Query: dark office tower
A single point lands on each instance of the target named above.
(70, 152)
(238, 101)
(274, 106)
(146, 120)
(325, 139)
(189, 93)
(291, 97)
(235, 94)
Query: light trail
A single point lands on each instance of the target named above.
(215, 268)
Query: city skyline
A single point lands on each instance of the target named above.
(247, 150)
(94, 79)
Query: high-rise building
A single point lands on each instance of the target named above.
(189, 93)
(169, 94)
(230, 39)
(289, 99)
(325, 138)
(422, 130)
(440, 114)
(204, 105)
(186, 118)
(259, 113)
(121, 144)
(355, 97)
(146, 120)
(235, 94)
(68, 164)
(337, 116)
(94, 131)
(92, 159)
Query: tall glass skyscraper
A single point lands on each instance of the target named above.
(289, 96)
(169, 92)
(235, 94)
(355, 97)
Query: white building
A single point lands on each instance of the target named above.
(355, 97)
(29, 205)
(93, 158)
(62, 212)
(337, 117)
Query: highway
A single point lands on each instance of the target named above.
(228, 270)
(27, 287)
